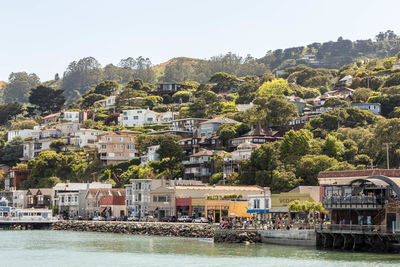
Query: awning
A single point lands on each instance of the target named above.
(102, 209)
(258, 211)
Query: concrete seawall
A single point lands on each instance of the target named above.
(290, 237)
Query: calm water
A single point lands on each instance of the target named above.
(58, 248)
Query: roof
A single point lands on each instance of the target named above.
(359, 173)
(203, 152)
(112, 200)
(220, 120)
(345, 78)
(52, 115)
(185, 119)
(220, 187)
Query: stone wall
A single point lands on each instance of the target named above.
(236, 236)
(140, 228)
(290, 237)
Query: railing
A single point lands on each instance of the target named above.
(26, 219)
(372, 202)
(350, 228)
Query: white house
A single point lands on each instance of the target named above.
(22, 133)
(85, 138)
(243, 151)
(75, 116)
(373, 107)
(244, 107)
(150, 155)
(140, 117)
(346, 79)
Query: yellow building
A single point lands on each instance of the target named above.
(280, 201)
(219, 209)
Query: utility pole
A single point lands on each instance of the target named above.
(387, 154)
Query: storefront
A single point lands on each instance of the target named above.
(183, 206)
(221, 210)
(198, 207)
(279, 202)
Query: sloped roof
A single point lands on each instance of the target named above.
(220, 120)
(52, 115)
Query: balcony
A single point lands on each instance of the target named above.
(354, 202)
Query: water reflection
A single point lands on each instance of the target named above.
(86, 248)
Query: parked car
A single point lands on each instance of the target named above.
(111, 218)
(99, 218)
(169, 219)
(133, 219)
(200, 220)
(122, 218)
(185, 218)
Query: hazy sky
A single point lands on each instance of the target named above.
(44, 36)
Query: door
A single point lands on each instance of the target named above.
(390, 218)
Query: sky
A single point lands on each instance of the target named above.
(44, 36)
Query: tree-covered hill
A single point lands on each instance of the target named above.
(83, 74)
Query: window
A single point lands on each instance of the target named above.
(125, 113)
(126, 118)
(256, 203)
(108, 138)
(149, 119)
(135, 117)
(121, 146)
(115, 146)
(139, 111)
(103, 146)
(154, 198)
(62, 199)
(69, 198)
(121, 139)
(76, 199)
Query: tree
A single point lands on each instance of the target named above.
(332, 147)
(392, 80)
(58, 145)
(46, 100)
(12, 151)
(89, 100)
(295, 144)
(216, 178)
(284, 181)
(335, 102)
(181, 97)
(112, 119)
(170, 148)
(18, 87)
(106, 88)
(224, 82)
(226, 132)
(309, 166)
(8, 111)
(23, 124)
(275, 88)
(248, 89)
(272, 111)
(169, 168)
(362, 94)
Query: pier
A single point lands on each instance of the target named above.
(11, 223)
(368, 238)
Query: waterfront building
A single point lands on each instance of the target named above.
(39, 198)
(51, 118)
(114, 147)
(14, 178)
(220, 201)
(260, 205)
(362, 197)
(112, 202)
(279, 202)
(138, 196)
(70, 197)
(15, 198)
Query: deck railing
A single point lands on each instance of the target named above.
(351, 228)
(372, 202)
